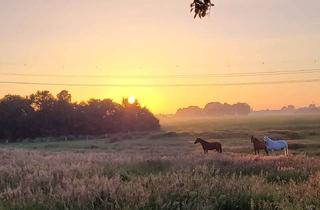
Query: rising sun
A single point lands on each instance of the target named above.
(131, 99)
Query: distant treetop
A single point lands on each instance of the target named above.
(215, 109)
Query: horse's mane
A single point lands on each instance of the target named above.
(266, 138)
(203, 141)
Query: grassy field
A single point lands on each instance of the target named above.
(165, 170)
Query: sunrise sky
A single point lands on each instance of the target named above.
(153, 38)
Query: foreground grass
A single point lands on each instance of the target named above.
(68, 180)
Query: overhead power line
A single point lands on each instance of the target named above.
(164, 85)
(168, 76)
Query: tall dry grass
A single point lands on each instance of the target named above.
(70, 180)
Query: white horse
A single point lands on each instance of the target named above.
(276, 145)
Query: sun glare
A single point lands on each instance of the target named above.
(131, 99)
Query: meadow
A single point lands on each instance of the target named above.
(165, 170)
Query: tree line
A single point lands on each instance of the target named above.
(41, 114)
(215, 109)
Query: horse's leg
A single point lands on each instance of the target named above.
(255, 151)
(267, 152)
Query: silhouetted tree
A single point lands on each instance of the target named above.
(43, 103)
(62, 114)
(64, 96)
(100, 116)
(15, 114)
(191, 111)
(215, 109)
(241, 108)
(42, 100)
(136, 118)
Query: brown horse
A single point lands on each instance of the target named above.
(209, 145)
(258, 145)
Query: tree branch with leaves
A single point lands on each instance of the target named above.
(201, 8)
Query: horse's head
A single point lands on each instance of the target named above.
(197, 140)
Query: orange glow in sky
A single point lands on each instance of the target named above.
(141, 38)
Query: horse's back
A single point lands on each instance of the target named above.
(277, 145)
(285, 143)
(214, 145)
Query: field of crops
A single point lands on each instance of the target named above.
(165, 170)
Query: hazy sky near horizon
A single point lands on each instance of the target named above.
(143, 37)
